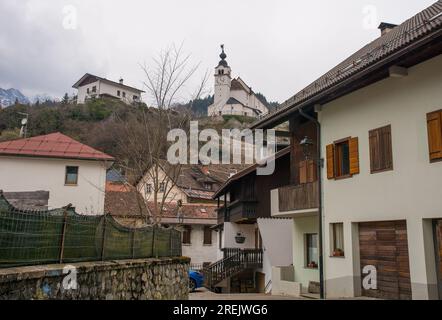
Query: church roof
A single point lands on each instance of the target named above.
(234, 101)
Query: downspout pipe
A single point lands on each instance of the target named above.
(319, 174)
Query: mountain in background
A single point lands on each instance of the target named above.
(43, 98)
(10, 96)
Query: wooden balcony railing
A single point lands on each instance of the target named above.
(300, 197)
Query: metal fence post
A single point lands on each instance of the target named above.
(63, 233)
(103, 238)
(133, 243)
(153, 241)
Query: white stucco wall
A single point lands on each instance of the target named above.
(19, 174)
(230, 231)
(197, 250)
(411, 192)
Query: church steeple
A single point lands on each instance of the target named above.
(223, 57)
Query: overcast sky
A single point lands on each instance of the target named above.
(277, 46)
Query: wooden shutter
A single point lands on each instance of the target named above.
(311, 171)
(434, 126)
(353, 145)
(187, 234)
(381, 154)
(330, 150)
(207, 236)
(303, 172)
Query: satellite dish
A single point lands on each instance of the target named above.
(24, 122)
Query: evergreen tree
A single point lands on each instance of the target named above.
(65, 99)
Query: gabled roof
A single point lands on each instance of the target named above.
(90, 77)
(416, 31)
(54, 145)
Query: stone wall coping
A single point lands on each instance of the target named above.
(55, 270)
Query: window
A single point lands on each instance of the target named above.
(88, 90)
(307, 171)
(312, 254)
(337, 239)
(187, 234)
(124, 94)
(343, 158)
(434, 127)
(381, 155)
(118, 93)
(94, 89)
(148, 188)
(162, 187)
(207, 236)
(208, 186)
(135, 98)
(220, 239)
(71, 177)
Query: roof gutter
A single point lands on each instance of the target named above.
(318, 162)
(279, 118)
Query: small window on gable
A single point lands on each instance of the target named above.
(118, 93)
(88, 90)
(337, 239)
(162, 187)
(124, 94)
(94, 89)
(71, 176)
(343, 158)
(149, 188)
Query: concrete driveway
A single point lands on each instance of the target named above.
(204, 294)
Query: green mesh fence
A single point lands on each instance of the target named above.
(41, 237)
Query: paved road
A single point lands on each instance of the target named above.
(203, 294)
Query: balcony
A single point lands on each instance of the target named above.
(292, 201)
(238, 211)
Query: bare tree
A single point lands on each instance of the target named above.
(143, 144)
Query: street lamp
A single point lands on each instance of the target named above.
(307, 145)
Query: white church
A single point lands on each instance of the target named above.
(233, 96)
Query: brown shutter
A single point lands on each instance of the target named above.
(374, 141)
(207, 236)
(330, 161)
(381, 154)
(434, 126)
(387, 148)
(303, 172)
(354, 155)
(311, 171)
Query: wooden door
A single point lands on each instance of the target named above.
(384, 245)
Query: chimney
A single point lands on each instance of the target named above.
(386, 27)
(121, 81)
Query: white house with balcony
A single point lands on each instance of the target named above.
(91, 86)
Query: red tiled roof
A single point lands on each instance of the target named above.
(54, 145)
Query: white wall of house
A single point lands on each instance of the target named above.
(172, 193)
(82, 91)
(411, 192)
(230, 231)
(197, 250)
(34, 174)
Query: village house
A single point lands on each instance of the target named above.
(188, 205)
(61, 169)
(233, 96)
(247, 242)
(91, 86)
(373, 127)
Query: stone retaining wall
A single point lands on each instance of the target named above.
(144, 279)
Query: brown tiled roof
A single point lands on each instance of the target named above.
(190, 211)
(54, 145)
(424, 23)
(123, 204)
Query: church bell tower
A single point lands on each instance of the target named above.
(222, 80)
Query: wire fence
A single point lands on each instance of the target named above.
(29, 237)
